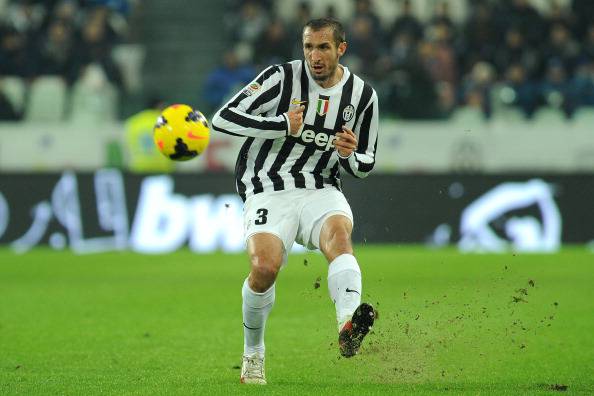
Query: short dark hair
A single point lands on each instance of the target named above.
(334, 24)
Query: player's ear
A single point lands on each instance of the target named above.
(342, 48)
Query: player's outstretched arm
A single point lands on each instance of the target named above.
(241, 116)
(360, 158)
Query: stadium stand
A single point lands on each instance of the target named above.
(15, 90)
(47, 100)
(427, 59)
(60, 39)
(94, 99)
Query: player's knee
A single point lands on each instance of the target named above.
(340, 241)
(265, 268)
(337, 243)
(261, 279)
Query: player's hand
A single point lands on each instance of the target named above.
(345, 142)
(295, 117)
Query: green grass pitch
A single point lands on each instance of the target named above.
(171, 324)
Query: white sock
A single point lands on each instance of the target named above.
(344, 285)
(256, 307)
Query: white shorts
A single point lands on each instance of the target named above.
(293, 215)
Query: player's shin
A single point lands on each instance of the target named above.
(344, 285)
(256, 307)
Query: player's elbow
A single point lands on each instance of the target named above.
(216, 120)
(220, 124)
(361, 175)
(364, 169)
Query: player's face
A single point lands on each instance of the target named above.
(321, 53)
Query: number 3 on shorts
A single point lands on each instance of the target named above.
(262, 219)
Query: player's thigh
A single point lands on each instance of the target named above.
(271, 213)
(321, 205)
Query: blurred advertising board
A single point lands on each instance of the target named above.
(109, 210)
(500, 146)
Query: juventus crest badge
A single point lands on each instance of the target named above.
(348, 113)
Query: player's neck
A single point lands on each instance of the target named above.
(334, 79)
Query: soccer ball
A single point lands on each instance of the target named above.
(181, 133)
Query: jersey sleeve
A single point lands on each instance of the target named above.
(361, 162)
(245, 113)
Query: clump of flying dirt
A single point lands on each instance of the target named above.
(553, 387)
(313, 262)
(558, 387)
(317, 282)
(521, 328)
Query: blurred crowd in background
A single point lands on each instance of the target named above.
(69, 39)
(504, 53)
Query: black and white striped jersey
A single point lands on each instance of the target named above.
(271, 159)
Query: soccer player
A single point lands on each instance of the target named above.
(304, 120)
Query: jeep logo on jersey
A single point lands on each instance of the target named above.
(321, 140)
(348, 113)
(323, 106)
